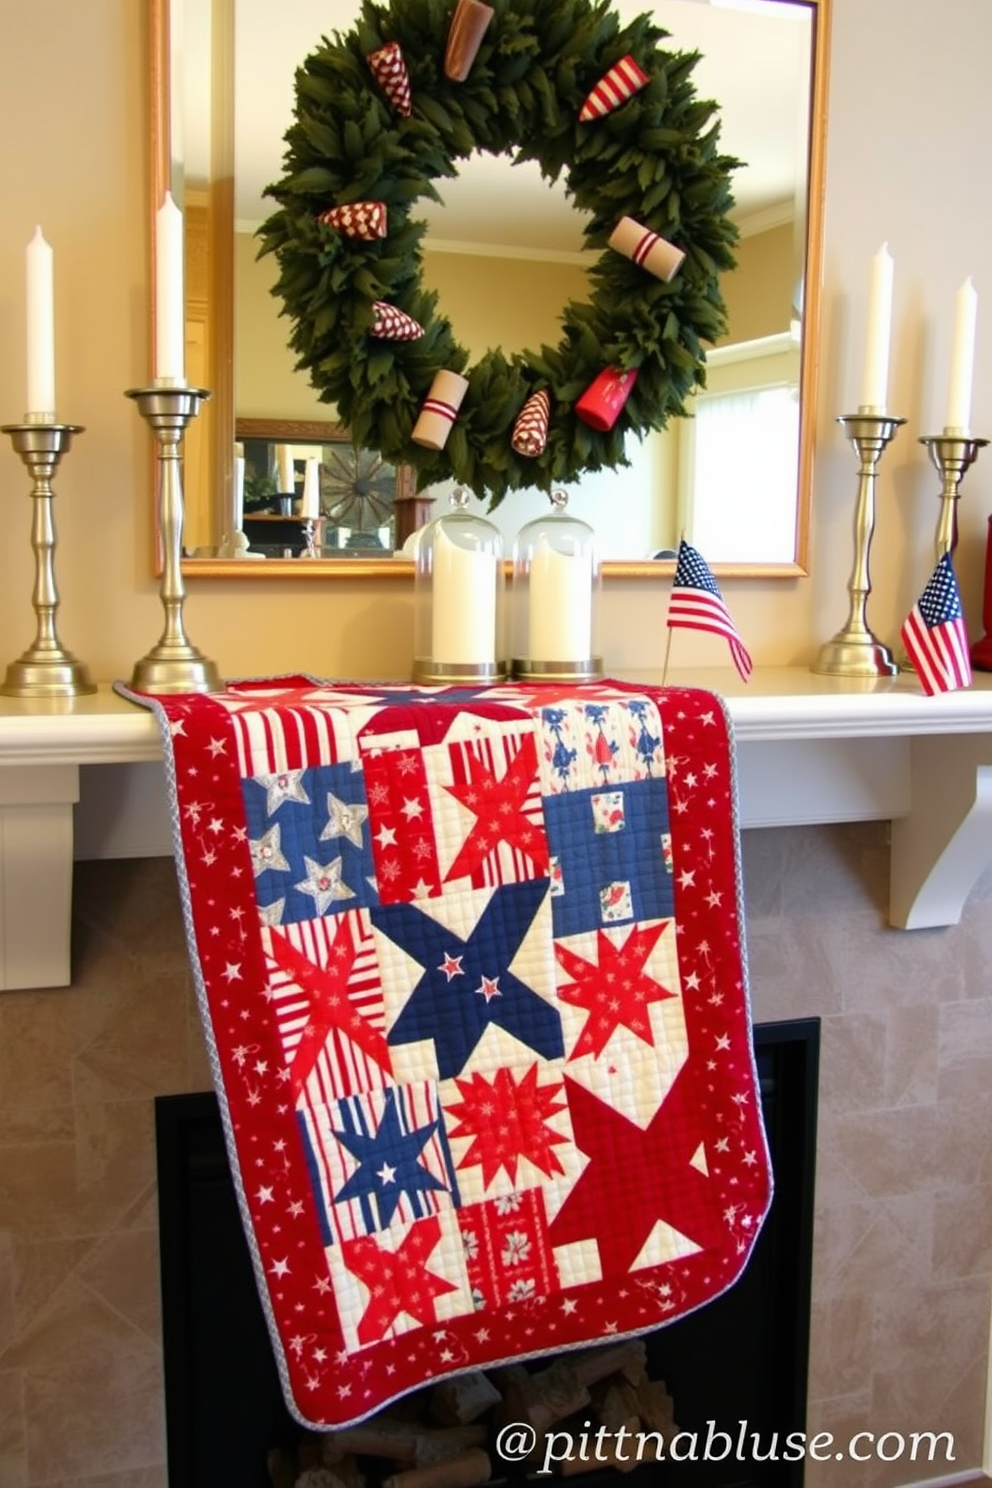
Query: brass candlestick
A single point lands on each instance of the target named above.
(854, 651)
(173, 665)
(46, 669)
(950, 453)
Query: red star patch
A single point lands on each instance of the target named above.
(620, 1155)
(498, 808)
(615, 990)
(506, 1121)
(330, 1005)
(397, 1280)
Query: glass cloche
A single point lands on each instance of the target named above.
(555, 605)
(458, 598)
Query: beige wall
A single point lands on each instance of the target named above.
(266, 384)
(77, 166)
(759, 292)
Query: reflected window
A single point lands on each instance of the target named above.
(740, 455)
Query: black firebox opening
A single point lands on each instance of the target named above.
(741, 1359)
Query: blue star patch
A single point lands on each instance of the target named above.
(454, 1008)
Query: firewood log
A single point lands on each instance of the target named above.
(465, 1471)
(282, 1468)
(350, 1473)
(554, 1393)
(610, 1453)
(379, 1437)
(441, 1445)
(513, 1383)
(615, 1401)
(655, 1406)
(457, 1401)
(318, 1477)
(595, 1364)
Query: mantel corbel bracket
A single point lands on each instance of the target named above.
(944, 843)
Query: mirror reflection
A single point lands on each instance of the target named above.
(302, 489)
(504, 253)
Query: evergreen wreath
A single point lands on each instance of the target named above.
(655, 158)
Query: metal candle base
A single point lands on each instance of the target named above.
(453, 673)
(950, 454)
(854, 651)
(46, 669)
(173, 665)
(556, 671)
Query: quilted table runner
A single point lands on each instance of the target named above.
(471, 971)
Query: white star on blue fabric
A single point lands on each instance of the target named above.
(287, 785)
(267, 853)
(345, 819)
(324, 883)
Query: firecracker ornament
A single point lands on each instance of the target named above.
(653, 157)
(439, 410)
(530, 432)
(646, 248)
(603, 400)
(391, 324)
(389, 70)
(366, 219)
(468, 26)
(614, 88)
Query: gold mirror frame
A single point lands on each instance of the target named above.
(218, 414)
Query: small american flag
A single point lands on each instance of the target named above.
(934, 633)
(697, 604)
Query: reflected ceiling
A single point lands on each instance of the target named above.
(761, 105)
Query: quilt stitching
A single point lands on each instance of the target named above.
(472, 975)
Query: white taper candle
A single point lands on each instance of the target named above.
(285, 470)
(962, 357)
(238, 515)
(170, 307)
(310, 506)
(876, 377)
(40, 327)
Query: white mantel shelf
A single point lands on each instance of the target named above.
(810, 750)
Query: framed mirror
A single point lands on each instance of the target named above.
(221, 104)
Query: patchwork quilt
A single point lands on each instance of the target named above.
(472, 977)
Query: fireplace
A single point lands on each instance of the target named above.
(741, 1358)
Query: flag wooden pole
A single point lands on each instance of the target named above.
(668, 652)
(668, 643)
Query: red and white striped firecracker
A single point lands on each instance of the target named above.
(530, 432)
(388, 67)
(624, 79)
(439, 410)
(391, 324)
(465, 33)
(362, 219)
(605, 396)
(646, 249)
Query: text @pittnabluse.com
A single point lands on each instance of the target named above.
(519, 1440)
